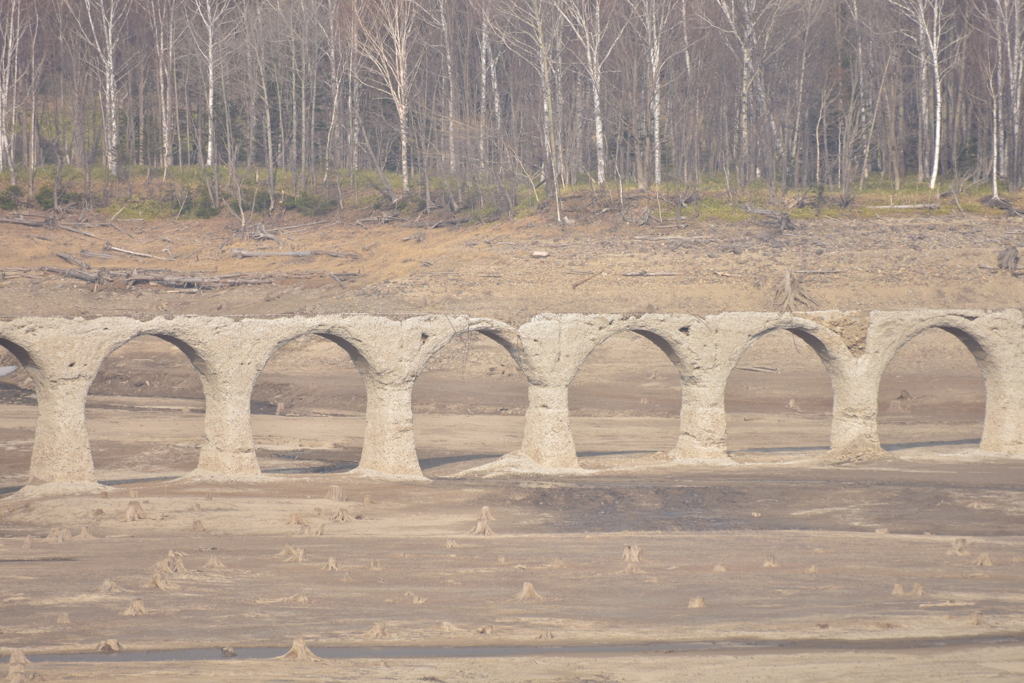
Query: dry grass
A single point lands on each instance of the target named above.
(770, 561)
(198, 526)
(486, 630)
(448, 627)
(84, 535)
(63, 618)
(286, 551)
(697, 603)
(335, 493)
(719, 568)
(897, 589)
(298, 556)
(27, 543)
(917, 590)
(546, 635)
(296, 518)
(332, 565)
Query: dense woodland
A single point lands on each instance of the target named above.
(518, 96)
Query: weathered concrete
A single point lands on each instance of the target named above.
(63, 356)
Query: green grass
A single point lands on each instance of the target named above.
(141, 192)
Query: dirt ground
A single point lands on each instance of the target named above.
(842, 537)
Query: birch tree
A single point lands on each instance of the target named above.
(13, 29)
(101, 23)
(388, 29)
(598, 29)
(211, 33)
(930, 21)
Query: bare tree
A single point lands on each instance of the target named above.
(387, 42)
(211, 34)
(100, 23)
(13, 29)
(931, 21)
(598, 30)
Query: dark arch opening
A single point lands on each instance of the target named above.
(309, 406)
(932, 394)
(778, 398)
(624, 402)
(18, 416)
(468, 404)
(145, 410)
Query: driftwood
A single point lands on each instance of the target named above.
(166, 278)
(79, 232)
(585, 280)
(241, 253)
(77, 274)
(905, 206)
(672, 238)
(93, 254)
(46, 223)
(109, 247)
(74, 261)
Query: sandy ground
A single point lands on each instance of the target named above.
(842, 537)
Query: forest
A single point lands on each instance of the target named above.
(511, 101)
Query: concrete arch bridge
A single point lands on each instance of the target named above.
(63, 357)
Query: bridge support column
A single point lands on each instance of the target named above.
(855, 418)
(702, 421)
(389, 446)
(547, 437)
(229, 449)
(61, 450)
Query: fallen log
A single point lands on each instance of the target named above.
(24, 221)
(241, 253)
(77, 274)
(74, 261)
(109, 247)
(79, 232)
(671, 238)
(906, 206)
(584, 280)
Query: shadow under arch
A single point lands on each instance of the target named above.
(17, 458)
(142, 375)
(329, 448)
(644, 395)
(898, 404)
(469, 400)
(784, 404)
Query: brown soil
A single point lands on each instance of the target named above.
(564, 535)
